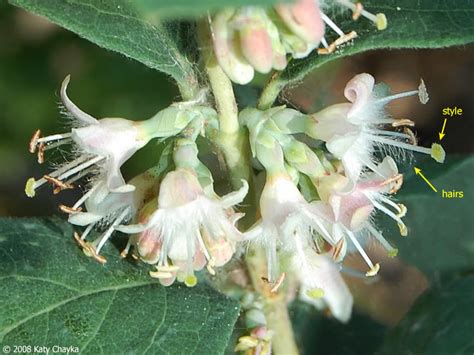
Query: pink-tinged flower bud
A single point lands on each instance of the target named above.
(255, 41)
(227, 49)
(304, 19)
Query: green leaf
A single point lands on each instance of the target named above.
(118, 26)
(411, 24)
(52, 294)
(439, 229)
(186, 8)
(440, 322)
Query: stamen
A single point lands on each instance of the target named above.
(34, 141)
(397, 182)
(80, 175)
(341, 40)
(210, 266)
(203, 246)
(125, 252)
(57, 144)
(393, 204)
(357, 11)
(87, 231)
(412, 136)
(402, 122)
(83, 198)
(379, 19)
(331, 24)
(41, 153)
(403, 210)
(88, 249)
(54, 137)
(340, 246)
(321, 229)
(373, 268)
(278, 283)
(401, 224)
(373, 167)
(81, 167)
(58, 184)
(69, 210)
(111, 229)
(391, 251)
(324, 42)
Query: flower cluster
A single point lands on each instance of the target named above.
(317, 205)
(309, 236)
(253, 39)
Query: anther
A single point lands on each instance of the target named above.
(373, 271)
(344, 38)
(58, 184)
(69, 210)
(403, 122)
(337, 253)
(88, 249)
(412, 136)
(34, 141)
(41, 153)
(278, 283)
(397, 182)
(357, 11)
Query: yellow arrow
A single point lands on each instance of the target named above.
(418, 172)
(441, 134)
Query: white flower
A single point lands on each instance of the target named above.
(287, 221)
(351, 211)
(105, 210)
(188, 229)
(100, 146)
(352, 131)
(291, 228)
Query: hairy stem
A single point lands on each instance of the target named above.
(275, 305)
(233, 142)
(270, 92)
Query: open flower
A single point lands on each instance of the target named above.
(295, 230)
(101, 209)
(101, 147)
(350, 213)
(188, 230)
(353, 131)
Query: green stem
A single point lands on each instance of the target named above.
(271, 91)
(233, 143)
(275, 306)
